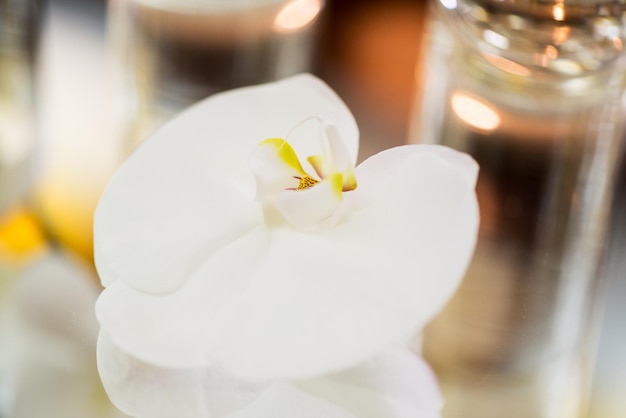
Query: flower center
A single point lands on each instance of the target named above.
(306, 182)
(279, 174)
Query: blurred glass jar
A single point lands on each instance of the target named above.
(19, 37)
(533, 90)
(172, 53)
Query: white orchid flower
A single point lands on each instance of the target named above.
(222, 246)
(394, 384)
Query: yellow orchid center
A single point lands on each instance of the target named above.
(303, 199)
(306, 182)
(282, 161)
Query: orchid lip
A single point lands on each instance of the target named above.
(303, 199)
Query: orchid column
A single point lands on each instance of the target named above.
(532, 90)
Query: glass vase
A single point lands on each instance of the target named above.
(533, 90)
(170, 54)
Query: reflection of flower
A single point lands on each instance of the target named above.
(209, 259)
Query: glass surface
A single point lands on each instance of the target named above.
(533, 91)
(172, 54)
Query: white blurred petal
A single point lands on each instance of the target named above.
(394, 384)
(188, 190)
(146, 391)
(49, 345)
(286, 401)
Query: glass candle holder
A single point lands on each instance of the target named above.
(533, 90)
(173, 53)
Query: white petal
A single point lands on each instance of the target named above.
(146, 391)
(307, 137)
(332, 298)
(49, 350)
(55, 295)
(173, 330)
(307, 207)
(394, 384)
(286, 401)
(188, 190)
(276, 167)
(340, 158)
(369, 170)
(143, 391)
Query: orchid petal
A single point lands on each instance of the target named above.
(320, 165)
(394, 384)
(276, 167)
(340, 158)
(188, 191)
(141, 391)
(305, 208)
(49, 353)
(144, 390)
(369, 171)
(336, 158)
(309, 137)
(170, 330)
(395, 258)
(286, 401)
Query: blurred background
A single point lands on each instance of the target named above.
(82, 82)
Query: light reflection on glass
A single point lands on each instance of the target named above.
(560, 34)
(496, 39)
(296, 15)
(551, 51)
(475, 113)
(507, 65)
(558, 12)
(540, 59)
(564, 66)
(449, 4)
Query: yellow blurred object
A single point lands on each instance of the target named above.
(21, 236)
(68, 215)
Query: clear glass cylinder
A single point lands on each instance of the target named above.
(173, 53)
(533, 90)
